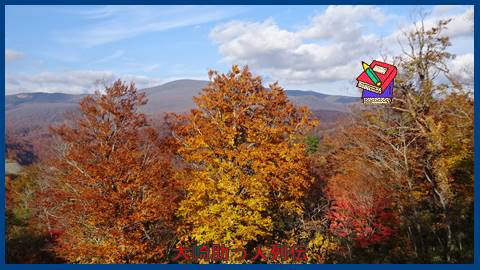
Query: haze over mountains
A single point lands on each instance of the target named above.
(30, 110)
(176, 96)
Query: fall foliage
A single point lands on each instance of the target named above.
(108, 195)
(403, 181)
(246, 164)
(246, 167)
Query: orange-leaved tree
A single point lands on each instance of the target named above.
(108, 195)
(246, 162)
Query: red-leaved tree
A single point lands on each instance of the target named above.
(107, 194)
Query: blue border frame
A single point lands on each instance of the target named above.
(260, 2)
(237, 2)
(2, 189)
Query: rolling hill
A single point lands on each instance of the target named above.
(28, 115)
(27, 112)
(36, 109)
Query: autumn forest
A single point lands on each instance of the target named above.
(249, 174)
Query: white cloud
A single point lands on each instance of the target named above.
(443, 9)
(343, 23)
(72, 82)
(461, 25)
(462, 68)
(12, 55)
(114, 23)
(328, 50)
(254, 43)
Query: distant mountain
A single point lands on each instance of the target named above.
(28, 115)
(321, 102)
(175, 96)
(33, 110)
(15, 100)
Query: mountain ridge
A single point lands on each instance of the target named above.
(28, 116)
(177, 96)
(35, 109)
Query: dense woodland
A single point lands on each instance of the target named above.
(389, 184)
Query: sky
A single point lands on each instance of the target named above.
(74, 49)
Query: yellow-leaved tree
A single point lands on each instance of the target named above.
(246, 167)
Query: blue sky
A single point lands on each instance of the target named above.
(72, 48)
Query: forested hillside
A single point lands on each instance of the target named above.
(246, 169)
